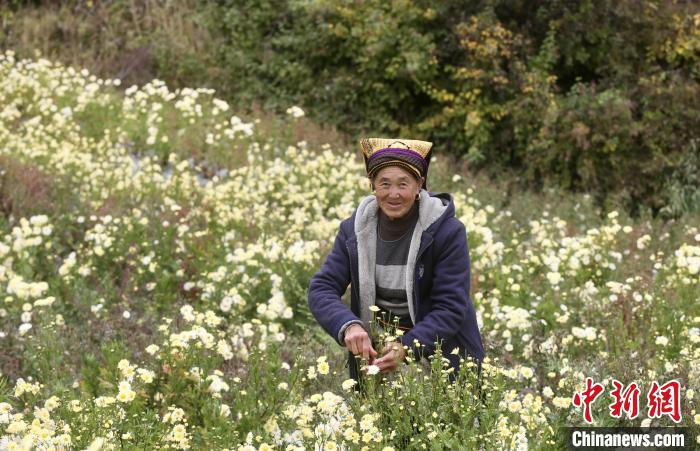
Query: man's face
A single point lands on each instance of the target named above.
(396, 191)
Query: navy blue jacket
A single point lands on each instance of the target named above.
(442, 304)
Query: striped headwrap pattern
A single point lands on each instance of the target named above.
(412, 155)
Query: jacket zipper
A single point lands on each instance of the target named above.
(415, 285)
(353, 278)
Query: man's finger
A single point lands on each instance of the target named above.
(390, 358)
(386, 363)
(352, 346)
(358, 346)
(366, 346)
(379, 364)
(391, 346)
(386, 358)
(372, 352)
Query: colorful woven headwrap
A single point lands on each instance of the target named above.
(409, 154)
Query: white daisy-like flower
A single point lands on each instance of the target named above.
(372, 369)
(348, 384)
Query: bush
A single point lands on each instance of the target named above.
(592, 97)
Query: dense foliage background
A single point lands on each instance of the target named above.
(597, 95)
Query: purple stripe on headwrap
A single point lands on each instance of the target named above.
(395, 150)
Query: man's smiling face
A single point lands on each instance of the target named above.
(396, 190)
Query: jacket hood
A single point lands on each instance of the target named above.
(433, 210)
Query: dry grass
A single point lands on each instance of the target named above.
(113, 39)
(24, 189)
(303, 129)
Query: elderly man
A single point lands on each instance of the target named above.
(404, 252)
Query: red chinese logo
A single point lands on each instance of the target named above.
(662, 400)
(626, 400)
(586, 398)
(665, 400)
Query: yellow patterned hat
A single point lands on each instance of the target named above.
(410, 154)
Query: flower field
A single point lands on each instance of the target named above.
(156, 249)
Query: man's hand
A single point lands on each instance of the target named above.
(393, 354)
(358, 342)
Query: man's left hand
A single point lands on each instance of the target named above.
(392, 354)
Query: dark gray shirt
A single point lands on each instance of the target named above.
(393, 243)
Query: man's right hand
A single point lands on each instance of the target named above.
(358, 342)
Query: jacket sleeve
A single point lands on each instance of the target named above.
(449, 295)
(326, 288)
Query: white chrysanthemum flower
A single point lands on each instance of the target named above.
(554, 278)
(562, 403)
(372, 369)
(348, 384)
(661, 340)
(24, 328)
(295, 112)
(526, 372)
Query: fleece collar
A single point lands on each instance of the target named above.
(431, 208)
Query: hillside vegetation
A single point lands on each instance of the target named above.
(599, 96)
(155, 251)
